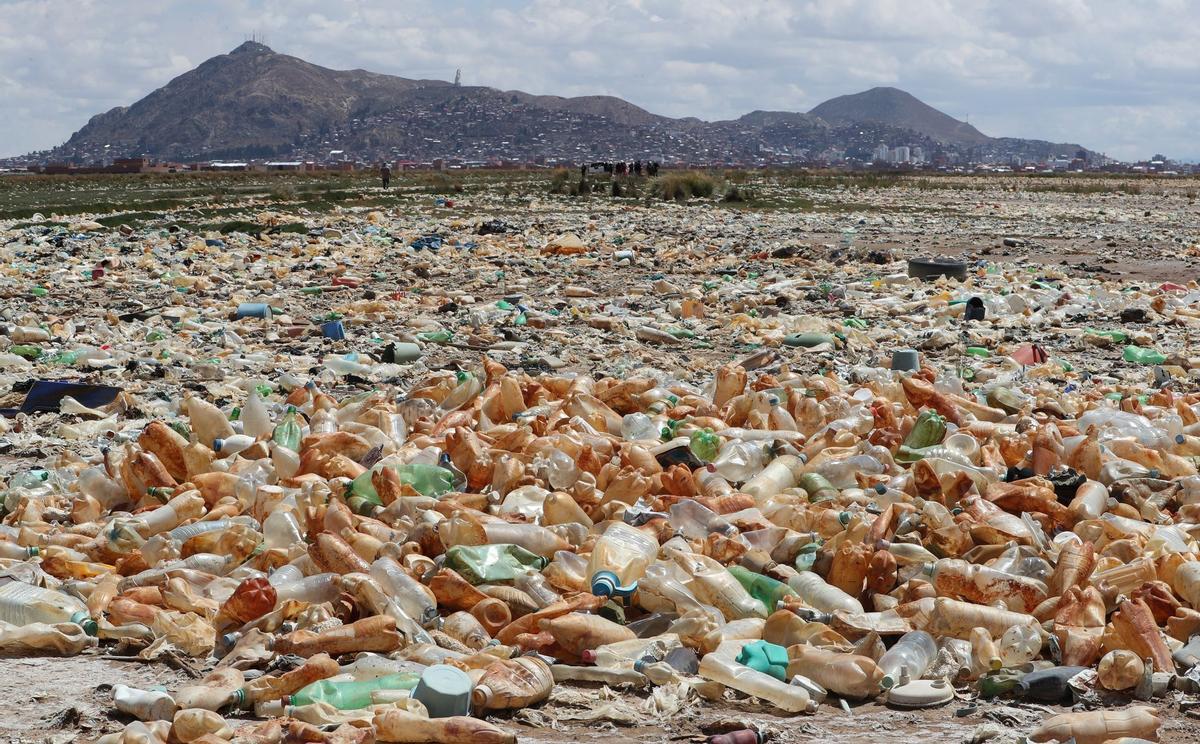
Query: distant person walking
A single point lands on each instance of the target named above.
(385, 175)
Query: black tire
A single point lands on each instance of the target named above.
(929, 269)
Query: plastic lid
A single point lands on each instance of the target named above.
(217, 444)
(604, 583)
(588, 656)
(923, 693)
(444, 690)
(83, 620)
(239, 697)
(880, 489)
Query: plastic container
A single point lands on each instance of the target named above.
(24, 604)
(445, 691)
(619, 558)
(907, 660)
(788, 698)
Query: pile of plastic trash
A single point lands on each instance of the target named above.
(370, 547)
(405, 565)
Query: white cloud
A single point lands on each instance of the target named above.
(1110, 74)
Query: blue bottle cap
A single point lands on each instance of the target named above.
(605, 583)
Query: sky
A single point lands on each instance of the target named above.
(1117, 76)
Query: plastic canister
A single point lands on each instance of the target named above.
(253, 310)
(445, 691)
(906, 360)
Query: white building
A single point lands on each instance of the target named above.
(882, 153)
(901, 154)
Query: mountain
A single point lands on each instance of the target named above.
(254, 102)
(894, 107)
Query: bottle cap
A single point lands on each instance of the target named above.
(605, 583)
(444, 690)
(588, 656)
(217, 444)
(880, 489)
(83, 620)
(34, 551)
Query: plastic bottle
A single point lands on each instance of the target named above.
(144, 705)
(619, 558)
(287, 432)
(789, 698)
(984, 656)
(392, 724)
(908, 659)
(350, 694)
(1049, 685)
(713, 584)
(1018, 645)
(848, 675)
(513, 683)
(765, 589)
(957, 619)
(315, 589)
(213, 692)
(956, 578)
(704, 445)
(907, 554)
(24, 604)
(1120, 669)
(207, 421)
(270, 687)
(817, 594)
(412, 596)
(1099, 726)
(1186, 583)
(376, 633)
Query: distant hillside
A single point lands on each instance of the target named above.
(254, 102)
(894, 107)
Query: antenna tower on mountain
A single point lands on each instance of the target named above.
(458, 78)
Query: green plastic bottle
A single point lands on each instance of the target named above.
(807, 340)
(486, 564)
(704, 444)
(999, 682)
(763, 588)
(1117, 337)
(436, 337)
(352, 694)
(25, 350)
(929, 430)
(287, 432)
(818, 487)
(427, 480)
(1140, 355)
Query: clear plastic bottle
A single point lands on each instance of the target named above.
(23, 604)
(256, 421)
(207, 421)
(716, 586)
(323, 587)
(282, 530)
(619, 558)
(696, 521)
(789, 698)
(820, 595)
(410, 594)
(958, 579)
(739, 461)
(908, 659)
